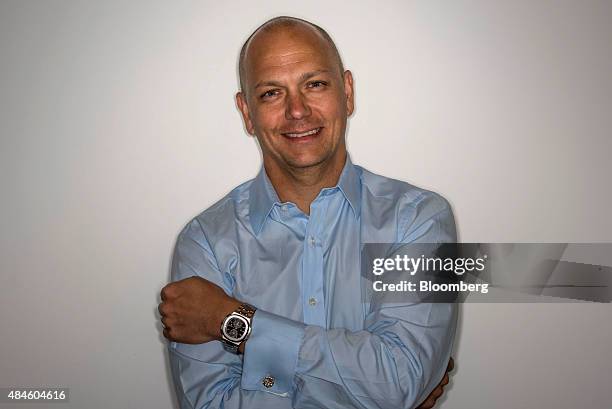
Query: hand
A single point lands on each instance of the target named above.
(438, 390)
(193, 309)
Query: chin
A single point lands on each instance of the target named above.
(306, 162)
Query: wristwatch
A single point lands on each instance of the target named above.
(236, 327)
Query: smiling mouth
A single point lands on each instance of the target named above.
(295, 135)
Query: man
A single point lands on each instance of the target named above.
(266, 308)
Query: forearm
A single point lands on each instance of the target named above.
(204, 377)
(394, 362)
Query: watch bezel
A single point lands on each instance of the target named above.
(244, 320)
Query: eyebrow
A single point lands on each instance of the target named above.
(303, 77)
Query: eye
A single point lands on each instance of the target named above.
(269, 93)
(317, 84)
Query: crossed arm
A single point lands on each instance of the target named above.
(207, 376)
(394, 362)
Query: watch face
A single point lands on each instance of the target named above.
(235, 328)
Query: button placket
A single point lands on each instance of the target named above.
(313, 307)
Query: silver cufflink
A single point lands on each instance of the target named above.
(268, 381)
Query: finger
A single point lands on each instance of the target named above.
(161, 309)
(436, 393)
(164, 321)
(428, 404)
(169, 291)
(445, 380)
(167, 334)
(451, 364)
(163, 294)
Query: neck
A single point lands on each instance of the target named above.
(302, 185)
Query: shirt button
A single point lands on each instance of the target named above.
(268, 381)
(312, 241)
(312, 301)
(284, 208)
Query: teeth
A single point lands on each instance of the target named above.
(300, 135)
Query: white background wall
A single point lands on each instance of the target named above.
(118, 125)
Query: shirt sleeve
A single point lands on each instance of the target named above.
(205, 375)
(395, 362)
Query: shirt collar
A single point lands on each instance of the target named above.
(349, 184)
(263, 197)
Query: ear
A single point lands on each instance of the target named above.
(244, 110)
(348, 91)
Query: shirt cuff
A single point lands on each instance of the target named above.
(271, 354)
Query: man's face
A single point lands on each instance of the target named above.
(297, 101)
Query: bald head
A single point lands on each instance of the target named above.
(283, 25)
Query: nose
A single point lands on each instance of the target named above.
(297, 106)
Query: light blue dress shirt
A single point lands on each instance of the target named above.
(314, 335)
